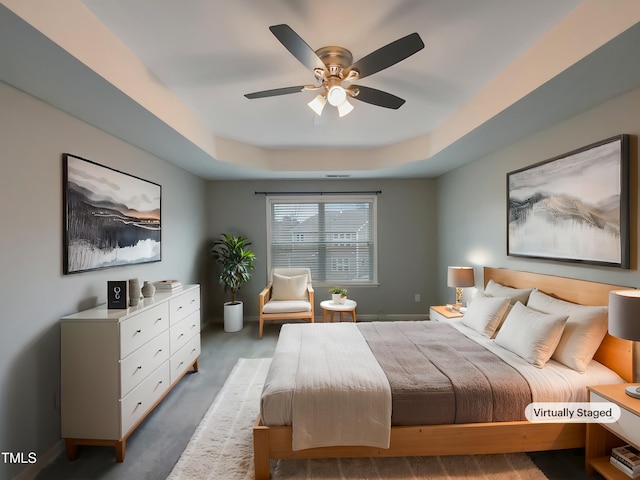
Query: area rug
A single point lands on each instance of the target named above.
(222, 447)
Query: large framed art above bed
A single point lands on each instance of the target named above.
(302, 426)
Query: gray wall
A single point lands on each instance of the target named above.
(35, 293)
(406, 241)
(473, 199)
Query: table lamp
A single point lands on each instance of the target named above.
(460, 277)
(624, 322)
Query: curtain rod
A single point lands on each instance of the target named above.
(370, 192)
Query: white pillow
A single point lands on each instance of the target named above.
(521, 295)
(583, 333)
(289, 288)
(531, 335)
(485, 314)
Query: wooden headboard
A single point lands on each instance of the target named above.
(614, 352)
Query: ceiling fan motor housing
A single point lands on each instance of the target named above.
(335, 58)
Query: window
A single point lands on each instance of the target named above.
(334, 236)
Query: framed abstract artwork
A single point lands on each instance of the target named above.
(111, 218)
(574, 207)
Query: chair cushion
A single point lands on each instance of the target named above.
(286, 306)
(289, 288)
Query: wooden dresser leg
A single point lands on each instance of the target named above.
(72, 449)
(196, 366)
(120, 448)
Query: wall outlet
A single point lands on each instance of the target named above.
(416, 297)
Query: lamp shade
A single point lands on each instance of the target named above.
(460, 277)
(624, 314)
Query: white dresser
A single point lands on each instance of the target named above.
(117, 365)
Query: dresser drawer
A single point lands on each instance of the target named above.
(185, 357)
(184, 304)
(183, 331)
(138, 329)
(627, 427)
(142, 398)
(143, 361)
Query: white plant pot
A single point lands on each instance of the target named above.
(233, 316)
(338, 299)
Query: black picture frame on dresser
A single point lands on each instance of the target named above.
(111, 218)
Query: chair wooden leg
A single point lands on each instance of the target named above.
(261, 325)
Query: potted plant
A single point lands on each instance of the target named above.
(338, 295)
(236, 259)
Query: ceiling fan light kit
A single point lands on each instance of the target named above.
(335, 71)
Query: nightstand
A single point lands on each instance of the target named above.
(441, 313)
(602, 437)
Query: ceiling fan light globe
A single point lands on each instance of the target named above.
(344, 108)
(336, 95)
(317, 104)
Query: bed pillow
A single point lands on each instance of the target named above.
(583, 333)
(530, 334)
(289, 288)
(494, 289)
(485, 314)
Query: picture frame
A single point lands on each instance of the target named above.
(111, 218)
(573, 207)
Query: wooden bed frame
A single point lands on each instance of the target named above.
(475, 438)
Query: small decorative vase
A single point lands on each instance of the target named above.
(134, 292)
(343, 298)
(335, 297)
(148, 290)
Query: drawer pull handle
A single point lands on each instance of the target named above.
(159, 351)
(139, 404)
(158, 319)
(160, 382)
(139, 367)
(181, 335)
(193, 300)
(138, 331)
(181, 363)
(193, 350)
(180, 307)
(193, 326)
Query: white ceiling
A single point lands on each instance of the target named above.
(209, 53)
(213, 52)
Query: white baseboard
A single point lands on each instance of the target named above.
(360, 317)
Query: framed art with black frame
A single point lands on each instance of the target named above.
(573, 207)
(111, 218)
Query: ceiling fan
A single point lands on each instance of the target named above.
(334, 68)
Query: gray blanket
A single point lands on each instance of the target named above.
(439, 376)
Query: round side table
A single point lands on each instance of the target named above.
(328, 306)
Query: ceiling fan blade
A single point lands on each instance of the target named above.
(275, 92)
(297, 46)
(387, 56)
(377, 97)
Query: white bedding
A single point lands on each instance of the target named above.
(554, 382)
(341, 394)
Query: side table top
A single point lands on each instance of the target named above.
(446, 312)
(347, 306)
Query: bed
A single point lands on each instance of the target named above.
(276, 441)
